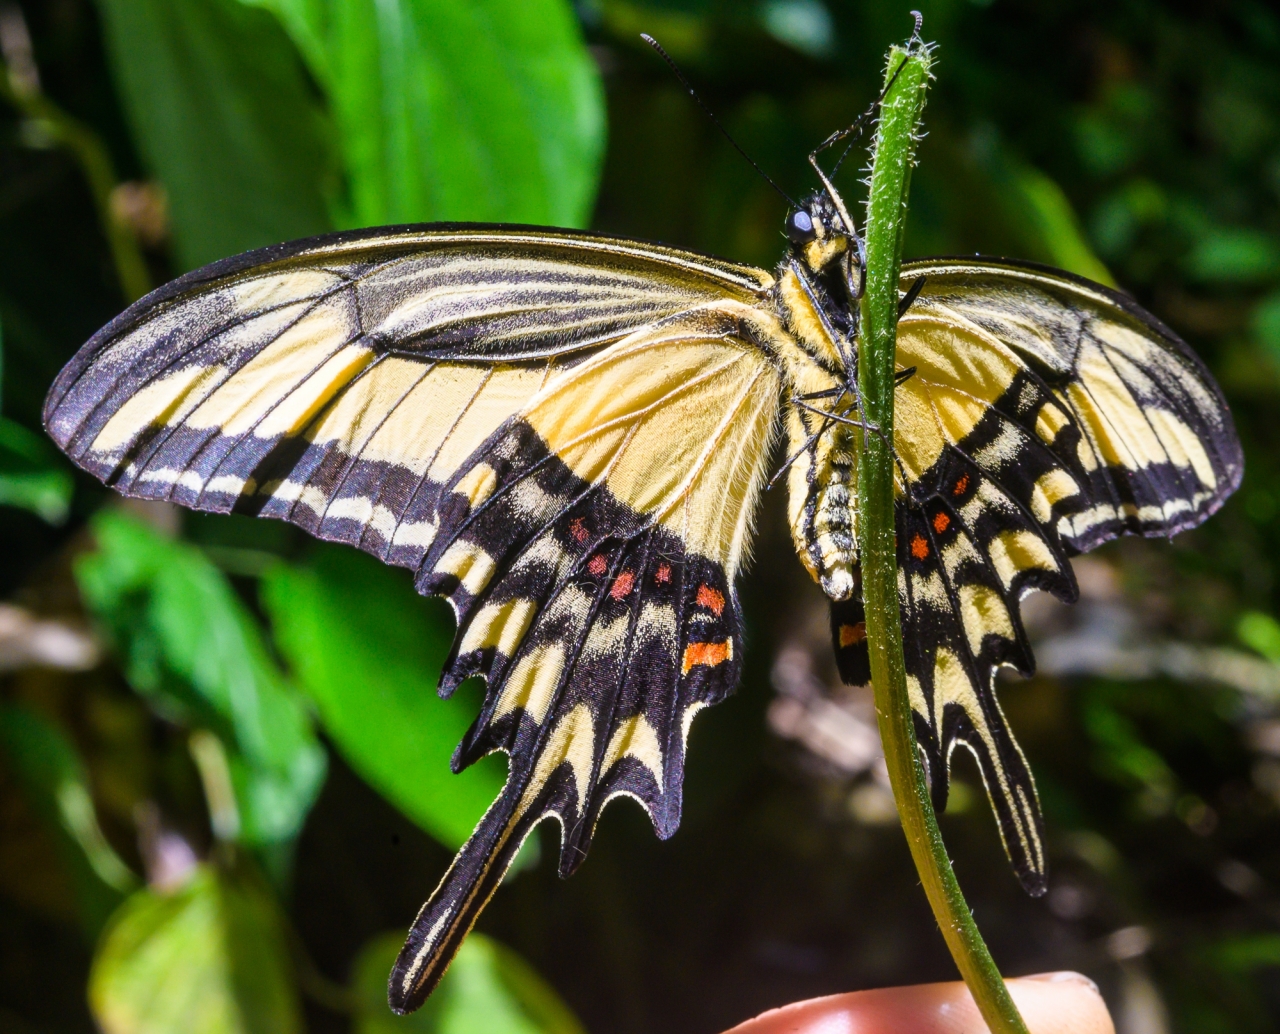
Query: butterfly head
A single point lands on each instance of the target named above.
(820, 235)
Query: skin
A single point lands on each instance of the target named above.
(1051, 1003)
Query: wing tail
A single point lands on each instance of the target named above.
(451, 911)
(1010, 788)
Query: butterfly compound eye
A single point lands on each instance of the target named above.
(800, 227)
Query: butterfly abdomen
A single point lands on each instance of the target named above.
(824, 524)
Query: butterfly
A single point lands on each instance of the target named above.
(568, 435)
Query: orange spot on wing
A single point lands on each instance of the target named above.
(941, 522)
(709, 654)
(711, 599)
(622, 585)
(852, 635)
(578, 530)
(663, 574)
(597, 565)
(961, 485)
(919, 547)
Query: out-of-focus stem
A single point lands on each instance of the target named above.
(91, 155)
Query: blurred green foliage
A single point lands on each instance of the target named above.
(488, 988)
(262, 745)
(207, 957)
(32, 474)
(57, 786)
(224, 116)
(485, 111)
(368, 650)
(187, 643)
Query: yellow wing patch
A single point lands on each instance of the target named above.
(676, 422)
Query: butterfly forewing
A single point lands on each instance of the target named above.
(338, 383)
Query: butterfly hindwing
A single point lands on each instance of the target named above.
(1134, 415)
(589, 549)
(1044, 416)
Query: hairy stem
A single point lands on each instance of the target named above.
(907, 79)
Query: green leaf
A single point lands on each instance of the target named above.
(222, 112)
(56, 785)
(489, 989)
(1265, 324)
(1235, 256)
(1037, 210)
(31, 474)
(191, 647)
(368, 651)
(1050, 217)
(1260, 632)
(490, 110)
(1246, 952)
(1120, 755)
(209, 958)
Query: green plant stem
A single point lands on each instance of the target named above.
(91, 154)
(886, 216)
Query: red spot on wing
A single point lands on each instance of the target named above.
(578, 530)
(852, 635)
(709, 654)
(622, 585)
(941, 522)
(711, 599)
(919, 547)
(597, 565)
(663, 574)
(961, 485)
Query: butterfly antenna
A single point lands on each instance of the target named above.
(711, 115)
(856, 129)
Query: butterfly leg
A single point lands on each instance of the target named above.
(865, 425)
(913, 292)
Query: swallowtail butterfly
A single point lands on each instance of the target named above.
(567, 436)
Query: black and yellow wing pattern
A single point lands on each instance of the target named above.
(1046, 415)
(565, 436)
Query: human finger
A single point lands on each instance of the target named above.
(1050, 1003)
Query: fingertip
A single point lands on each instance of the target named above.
(1064, 1002)
(1050, 1003)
